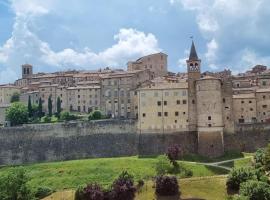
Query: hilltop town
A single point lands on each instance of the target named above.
(210, 103)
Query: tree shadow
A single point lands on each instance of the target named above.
(176, 197)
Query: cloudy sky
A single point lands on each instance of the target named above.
(58, 35)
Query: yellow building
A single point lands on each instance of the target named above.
(163, 108)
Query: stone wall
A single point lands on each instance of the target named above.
(68, 141)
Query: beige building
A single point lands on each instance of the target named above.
(6, 92)
(163, 108)
(156, 63)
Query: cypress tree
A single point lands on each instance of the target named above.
(58, 108)
(30, 109)
(50, 106)
(40, 113)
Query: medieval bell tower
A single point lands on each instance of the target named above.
(194, 73)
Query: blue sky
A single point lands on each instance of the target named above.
(58, 35)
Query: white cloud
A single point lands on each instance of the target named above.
(234, 25)
(24, 45)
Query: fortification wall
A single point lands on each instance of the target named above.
(78, 140)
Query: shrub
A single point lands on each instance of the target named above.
(95, 115)
(167, 186)
(90, 192)
(17, 114)
(163, 165)
(43, 192)
(237, 197)
(259, 158)
(15, 97)
(46, 119)
(267, 158)
(238, 176)
(123, 187)
(173, 153)
(255, 190)
(79, 193)
(66, 116)
(188, 173)
(14, 185)
(140, 183)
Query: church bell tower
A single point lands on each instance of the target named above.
(194, 73)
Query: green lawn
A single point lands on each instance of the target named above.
(245, 162)
(70, 174)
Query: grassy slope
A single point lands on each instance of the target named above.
(70, 174)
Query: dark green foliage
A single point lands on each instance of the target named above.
(267, 158)
(15, 97)
(17, 114)
(46, 119)
(79, 193)
(123, 187)
(50, 106)
(43, 192)
(255, 190)
(13, 186)
(58, 107)
(96, 115)
(29, 107)
(259, 158)
(237, 197)
(40, 112)
(240, 175)
(66, 116)
(167, 186)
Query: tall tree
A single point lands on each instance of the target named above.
(58, 108)
(40, 113)
(50, 106)
(30, 110)
(15, 97)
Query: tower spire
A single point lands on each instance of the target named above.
(193, 54)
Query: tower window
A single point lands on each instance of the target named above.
(165, 103)
(159, 103)
(166, 114)
(143, 114)
(209, 117)
(209, 125)
(176, 113)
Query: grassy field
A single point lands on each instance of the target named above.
(210, 188)
(70, 174)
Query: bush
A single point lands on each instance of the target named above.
(90, 192)
(66, 116)
(173, 153)
(17, 114)
(255, 190)
(43, 192)
(79, 193)
(14, 185)
(237, 197)
(15, 97)
(46, 119)
(123, 187)
(259, 158)
(95, 115)
(240, 175)
(267, 158)
(167, 186)
(163, 165)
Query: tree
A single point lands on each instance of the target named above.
(29, 107)
(40, 113)
(255, 190)
(50, 106)
(167, 186)
(13, 186)
(163, 165)
(58, 106)
(267, 158)
(95, 115)
(17, 114)
(15, 97)
(259, 158)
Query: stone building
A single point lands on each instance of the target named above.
(6, 92)
(163, 108)
(156, 63)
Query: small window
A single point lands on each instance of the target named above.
(209, 117)
(175, 121)
(251, 109)
(176, 113)
(166, 114)
(263, 96)
(250, 102)
(193, 101)
(143, 114)
(165, 103)
(184, 113)
(159, 114)
(224, 100)
(178, 102)
(184, 101)
(159, 103)
(264, 106)
(209, 125)
(242, 101)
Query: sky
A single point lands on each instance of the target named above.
(58, 35)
